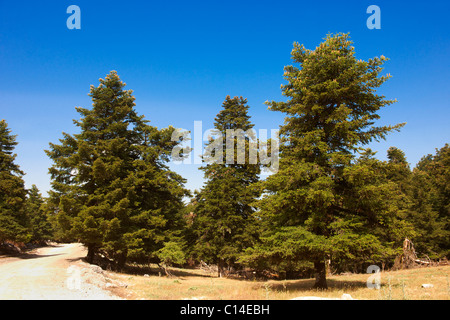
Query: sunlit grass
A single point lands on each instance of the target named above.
(195, 284)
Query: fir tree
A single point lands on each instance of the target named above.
(315, 202)
(422, 199)
(13, 219)
(224, 223)
(111, 184)
(400, 171)
(430, 211)
(39, 223)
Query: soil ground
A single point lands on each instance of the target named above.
(58, 272)
(55, 272)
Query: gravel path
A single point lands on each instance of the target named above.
(53, 273)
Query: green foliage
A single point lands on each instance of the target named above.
(13, 218)
(320, 187)
(39, 222)
(330, 200)
(171, 253)
(224, 223)
(285, 249)
(430, 210)
(112, 188)
(425, 198)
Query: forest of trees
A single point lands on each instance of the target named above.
(331, 201)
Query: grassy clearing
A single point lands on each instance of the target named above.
(191, 284)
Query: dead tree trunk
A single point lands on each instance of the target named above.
(166, 270)
(408, 259)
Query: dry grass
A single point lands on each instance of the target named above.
(189, 284)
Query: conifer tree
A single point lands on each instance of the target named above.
(13, 219)
(224, 223)
(39, 223)
(316, 203)
(430, 211)
(111, 183)
(423, 201)
(400, 171)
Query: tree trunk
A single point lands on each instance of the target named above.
(220, 268)
(90, 253)
(165, 268)
(321, 275)
(121, 260)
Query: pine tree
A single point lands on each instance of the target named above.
(315, 203)
(439, 169)
(421, 194)
(399, 168)
(430, 209)
(111, 184)
(39, 223)
(378, 201)
(13, 221)
(224, 222)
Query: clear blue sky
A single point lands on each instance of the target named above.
(182, 58)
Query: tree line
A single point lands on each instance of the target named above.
(331, 201)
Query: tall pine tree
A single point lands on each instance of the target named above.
(39, 223)
(317, 204)
(13, 218)
(111, 183)
(224, 223)
(430, 211)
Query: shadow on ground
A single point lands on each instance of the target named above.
(279, 285)
(28, 253)
(154, 270)
(307, 285)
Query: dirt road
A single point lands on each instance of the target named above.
(52, 273)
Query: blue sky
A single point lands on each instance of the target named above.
(181, 58)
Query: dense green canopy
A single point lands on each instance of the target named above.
(13, 219)
(224, 224)
(111, 182)
(324, 201)
(329, 203)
